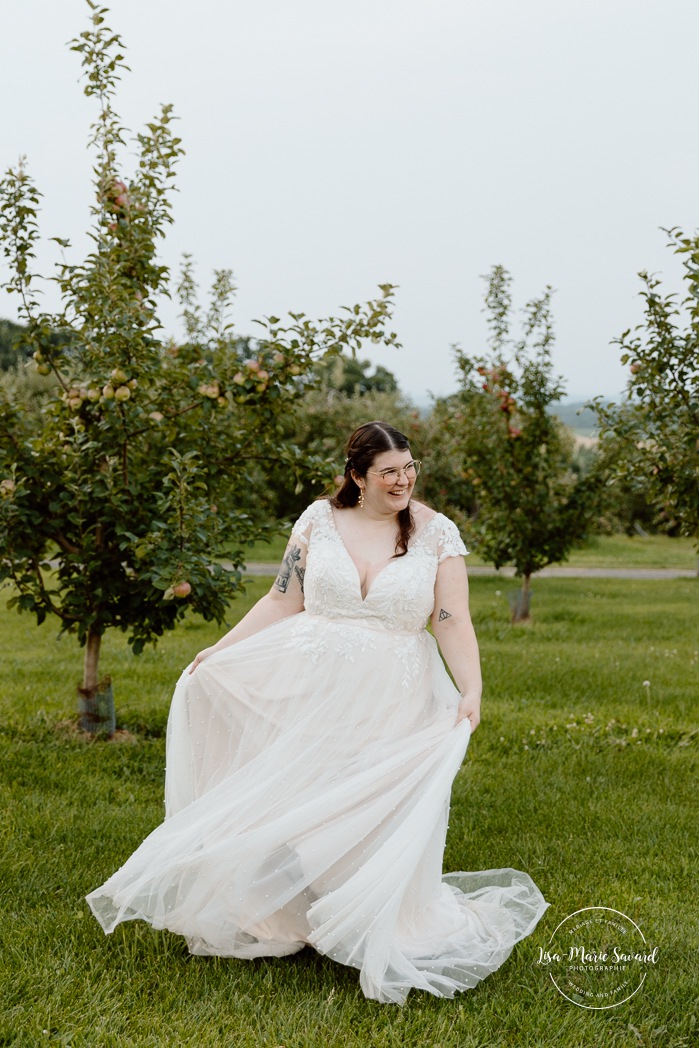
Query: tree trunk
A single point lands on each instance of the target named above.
(522, 602)
(92, 661)
(95, 696)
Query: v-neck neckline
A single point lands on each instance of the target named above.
(364, 598)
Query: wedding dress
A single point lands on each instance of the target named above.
(309, 770)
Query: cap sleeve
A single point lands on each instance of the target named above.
(450, 543)
(304, 525)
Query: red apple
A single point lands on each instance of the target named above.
(182, 589)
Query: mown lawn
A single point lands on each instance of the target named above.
(583, 773)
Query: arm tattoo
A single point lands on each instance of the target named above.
(444, 615)
(299, 573)
(287, 568)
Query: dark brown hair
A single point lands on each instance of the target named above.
(362, 448)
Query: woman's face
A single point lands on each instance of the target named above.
(388, 492)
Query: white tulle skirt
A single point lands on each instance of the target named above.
(309, 770)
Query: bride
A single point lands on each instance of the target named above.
(311, 753)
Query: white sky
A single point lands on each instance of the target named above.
(332, 146)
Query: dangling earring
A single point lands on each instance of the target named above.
(360, 502)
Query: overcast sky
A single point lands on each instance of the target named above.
(332, 146)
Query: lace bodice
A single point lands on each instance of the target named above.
(401, 596)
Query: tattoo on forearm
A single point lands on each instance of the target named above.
(444, 615)
(287, 568)
(299, 573)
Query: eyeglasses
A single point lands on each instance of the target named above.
(390, 476)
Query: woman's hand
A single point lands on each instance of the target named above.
(469, 709)
(204, 654)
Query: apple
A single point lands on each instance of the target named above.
(252, 365)
(43, 369)
(239, 378)
(7, 486)
(157, 416)
(93, 393)
(118, 377)
(635, 368)
(122, 393)
(122, 200)
(182, 589)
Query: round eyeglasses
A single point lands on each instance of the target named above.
(390, 476)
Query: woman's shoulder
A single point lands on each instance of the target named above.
(422, 514)
(313, 515)
(438, 529)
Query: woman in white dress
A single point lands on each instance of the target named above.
(311, 753)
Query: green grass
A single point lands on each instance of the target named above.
(580, 774)
(600, 551)
(637, 551)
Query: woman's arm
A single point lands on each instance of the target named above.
(453, 629)
(285, 598)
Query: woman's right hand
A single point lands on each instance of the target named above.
(200, 656)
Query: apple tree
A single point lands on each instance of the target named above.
(528, 505)
(654, 432)
(120, 490)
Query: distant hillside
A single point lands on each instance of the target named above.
(577, 417)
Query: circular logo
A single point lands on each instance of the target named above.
(598, 958)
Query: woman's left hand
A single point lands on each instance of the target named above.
(469, 709)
